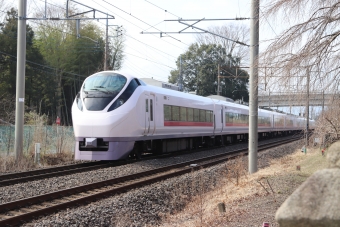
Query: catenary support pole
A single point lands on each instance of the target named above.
(307, 108)
(253, 82)
(218, 80)
(106, 41)
(20, 79)
(180, 82)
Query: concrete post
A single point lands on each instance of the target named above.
(20, 79)
(307, 107)
(37, 153)
(253, 82)
(106, 41)
(218, 80)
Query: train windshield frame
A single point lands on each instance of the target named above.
(99, 90)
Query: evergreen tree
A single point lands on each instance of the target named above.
(199, 69)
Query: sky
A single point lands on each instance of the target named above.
(152, 56)
(149, 55)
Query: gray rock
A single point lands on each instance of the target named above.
(314, 203)
(333, 155)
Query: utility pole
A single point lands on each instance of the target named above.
(307, 108)
(253, 81)
(106, 41)
(218, 80)
(20, 77)
(180, 80)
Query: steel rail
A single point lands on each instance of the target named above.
(20, 177)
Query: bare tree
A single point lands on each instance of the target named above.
(328, 124)
(117, 41)
(309, 46)
(232, 32)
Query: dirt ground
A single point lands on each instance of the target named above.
(255, 198)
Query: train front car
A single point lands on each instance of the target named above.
(98, 112)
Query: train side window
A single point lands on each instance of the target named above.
(151, 110)
(167, 113)
(175, 113)
(190, 114)
(146, 105)
(230, 118)
(202, 116)
(196, 115)
(183, 114)
(208, 116)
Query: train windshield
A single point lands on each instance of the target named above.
(100, 90)
(105, 83)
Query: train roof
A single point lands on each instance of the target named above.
(172, 89)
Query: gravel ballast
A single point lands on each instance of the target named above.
(48, 185)
(140, 207)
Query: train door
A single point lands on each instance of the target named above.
(222, 116)
(149, 114)
(152, 114)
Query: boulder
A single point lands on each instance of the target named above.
(314, 203)
(333, 155)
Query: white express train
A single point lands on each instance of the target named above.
(116, 115)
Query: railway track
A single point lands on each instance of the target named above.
(16, 212)
(21, 177)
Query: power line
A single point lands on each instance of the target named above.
(41, 24)
(162, 9)
(44, 66)
(139, 70)
(142, 28)
(147, 44)
(141, 20)
(102, 23)
(150, 60)
(268, 22)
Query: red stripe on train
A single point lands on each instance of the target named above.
(185, 123)
(244, 125)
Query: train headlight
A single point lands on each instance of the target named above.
(120, 102)
(116, 104)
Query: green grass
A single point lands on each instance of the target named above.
(312, 162)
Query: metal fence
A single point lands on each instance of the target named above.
(53, 139)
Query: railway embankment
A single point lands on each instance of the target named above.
(257, 197)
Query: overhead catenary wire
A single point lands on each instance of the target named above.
(141, 20)
(93, 51)
(148, 45)
(154, 61)
(44, 66)
(141, 27)
(162, 9)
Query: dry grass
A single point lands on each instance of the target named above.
(57, 159)
(239, 191)
(9, 164)
(56, 145)
(26, 162)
